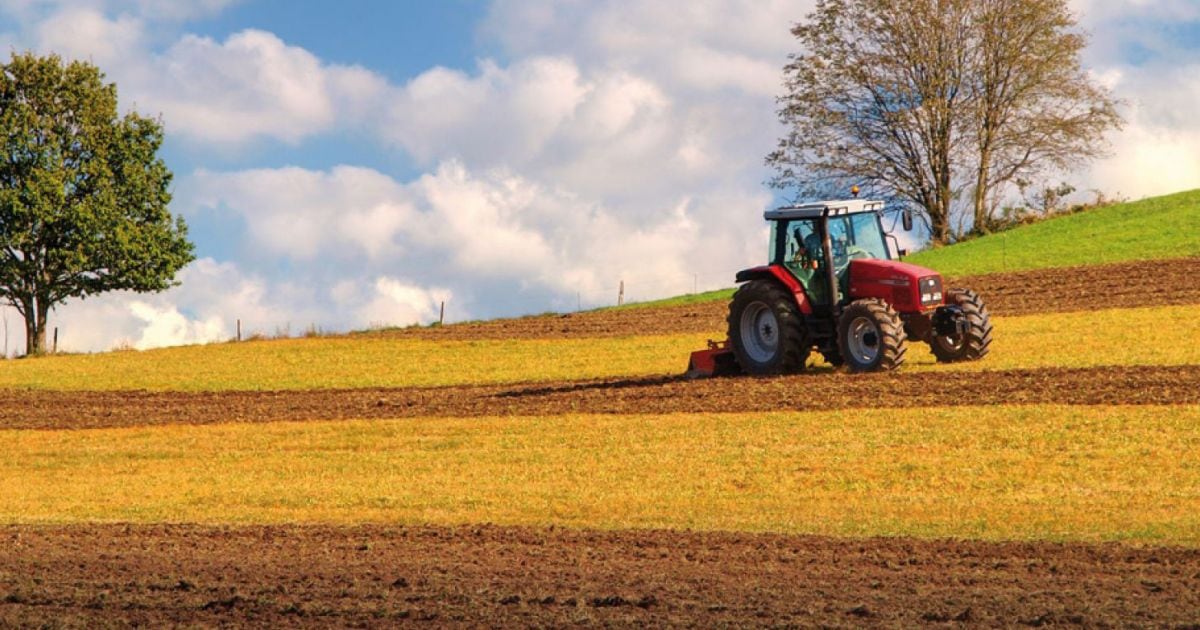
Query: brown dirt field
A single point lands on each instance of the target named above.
(705, 317)
(812, 392)
(1122, 285)
(90, 575)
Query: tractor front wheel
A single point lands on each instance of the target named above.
(767, 330)
(871, 336)
(975, 343)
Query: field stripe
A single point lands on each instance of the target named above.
(1142, 336)
(487, 576)
(1042, 472)
(1088, 288)
(21, 409)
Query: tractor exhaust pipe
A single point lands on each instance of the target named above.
(827, 243)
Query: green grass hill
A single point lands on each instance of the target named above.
(1155, 228)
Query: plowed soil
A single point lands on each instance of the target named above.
(279, 576)
(1122, 285)
(1083, 386)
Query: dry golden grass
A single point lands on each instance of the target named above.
(347, 362)
(1037, 472)
(1146, 336)
(1138, 336)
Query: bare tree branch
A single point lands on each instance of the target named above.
(943, 103)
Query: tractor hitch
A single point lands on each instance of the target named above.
(950, 321)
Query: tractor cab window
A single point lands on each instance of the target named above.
(803, 246)
(856, 236)
(804, 256)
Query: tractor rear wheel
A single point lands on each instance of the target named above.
(973, 345)
(871, 336)
(767, 330)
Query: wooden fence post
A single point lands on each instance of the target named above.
(442, 314)
(621, 294)
(239, 329)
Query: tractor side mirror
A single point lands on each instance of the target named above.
(907, 220)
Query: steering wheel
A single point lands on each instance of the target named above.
(838, 245)
(857, 253)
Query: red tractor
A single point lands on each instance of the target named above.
(832, 286)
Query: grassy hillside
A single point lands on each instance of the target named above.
(1161, 227)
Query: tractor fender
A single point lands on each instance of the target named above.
(781, 275)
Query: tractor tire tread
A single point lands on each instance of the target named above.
(978, 340)
(893, 339)
(792, 334)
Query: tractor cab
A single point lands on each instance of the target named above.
(798, 243)
(831, 285)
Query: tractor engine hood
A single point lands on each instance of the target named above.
(908, 288)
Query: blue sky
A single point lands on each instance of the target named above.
(346, 165)
(398, 40)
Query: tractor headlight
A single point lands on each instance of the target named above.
(931, 290)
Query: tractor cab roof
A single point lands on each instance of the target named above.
(819, 208)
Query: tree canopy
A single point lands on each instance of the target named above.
(83, 193)
(944, 104)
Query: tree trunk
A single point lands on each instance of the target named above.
(35, 328)
(945, 202)
(983, 219)
(939, 225)
(939, 220)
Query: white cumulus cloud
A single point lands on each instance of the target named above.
(166, 326)
(501, 114)
(252, 85)
(249, 87)
(301, 214)
(398, 302)
(701, 45)
(489, 238)
(82, 33)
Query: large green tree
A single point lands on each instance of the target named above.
(940, 103)
(83, 193)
